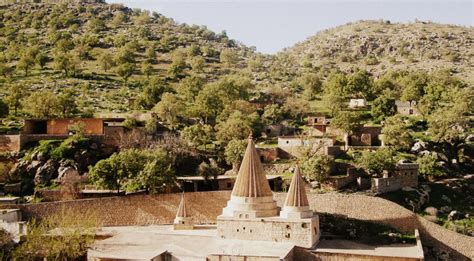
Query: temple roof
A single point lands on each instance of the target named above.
(251, 180)
(182, 208)
(296, 196)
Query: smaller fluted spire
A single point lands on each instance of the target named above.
(182, 207)
(296, 196)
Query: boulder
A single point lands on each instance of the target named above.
(455, 215)
(67, 173)
(45, 173)
(418, 146)
(432, 211)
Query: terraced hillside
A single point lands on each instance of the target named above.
(106, 52)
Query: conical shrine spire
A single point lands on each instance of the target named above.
(182, 208)
(251, 180)
(296, 196)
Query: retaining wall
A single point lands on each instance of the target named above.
(206, 206)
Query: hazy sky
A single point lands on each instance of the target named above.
(273, 25)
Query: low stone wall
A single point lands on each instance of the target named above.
(10, 143)
(206, 206)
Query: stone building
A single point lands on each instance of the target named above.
(406, 107)
(405, 175)
(294, 145)
(252, 213)
(357, 103)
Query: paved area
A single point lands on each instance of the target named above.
(147, 242)
(350, 247)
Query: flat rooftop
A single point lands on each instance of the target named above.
(147, 242)
(355, 248)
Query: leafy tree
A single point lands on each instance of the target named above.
(147, 69)
(317, 167)
(383, 106)
(234, 152)
(208, 103)
(14, 97)
(396, 133)
(334, 96)
(197, 63)
(5, 69)
(198, 134)
(125, 55)
(169, 108)
(236, 126)
(150, 53)
(125, 70)
(66, 63)
(272, 113)
(119, 18)
(347, 121)
(151, 93)
(189, 87)
(414, 85)
(296, 107)
(133, 169)
(42, 104)
(310, 83)
(106, 61)
(428, 165)
(208, 170)
(67, 103)
(360, 83)
(374, 163)
(26, 62)
(229, 57)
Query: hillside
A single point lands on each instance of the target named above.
(106, 53)
(380, 45)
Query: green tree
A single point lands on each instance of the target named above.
(66, 63)
(360, 83)
(133, 169)
(125, 70)
(42, 104)
(229, 57)
(396, 133)
(317, 167)
(414, 85)
(234, 153)
(198, 135)
(383, 106)
(208, 103)
(272, 113)
(169, 108)
(347, 121)
(334, 96)
(150, 54)
(189, 87)
(428, 165)
(147, 69)
(310, 83)
(67, 103)
(296, 107)
(236, 126)
(374, 163)
(197, 63)
(41, 59)
(106, 61)
(26, 62)
(151, 93)
(14, 97)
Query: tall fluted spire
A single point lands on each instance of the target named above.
(296, 196)
(182, 221)
(251, 180)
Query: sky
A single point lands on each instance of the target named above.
(271, 26)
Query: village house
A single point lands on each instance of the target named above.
(406, 107)
(357, 103)
(317, 125)
(107, 131)
(295, 146)
(405, 175)
(364, 137)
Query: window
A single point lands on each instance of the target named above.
(287, 226)
(287, 142)
(229, 184)
(304, 225)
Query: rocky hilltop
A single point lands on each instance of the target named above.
(381, 45)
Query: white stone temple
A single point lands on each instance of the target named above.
(252, 213)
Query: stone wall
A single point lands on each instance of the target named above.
(10, 143)
(206, 206)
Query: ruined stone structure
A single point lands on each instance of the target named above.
(252, 213)
(406, 107)
(405, 175)
(357, 103)
(294, 145)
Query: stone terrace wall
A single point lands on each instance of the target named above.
(206, 206)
